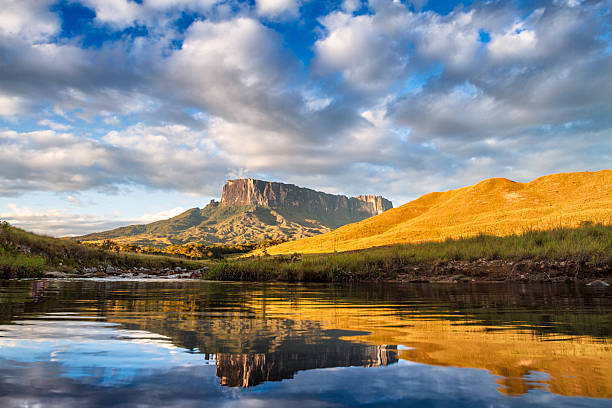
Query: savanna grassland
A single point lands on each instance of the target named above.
(497, 207)
(560, 254)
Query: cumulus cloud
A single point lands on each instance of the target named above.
(171, 157)
(237, 70)
(396, 100)
(30, 19)
(11, 105)
(278, 8)
(124, 13)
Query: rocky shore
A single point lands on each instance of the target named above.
(499, 270)
(482, 270)
(108, 271)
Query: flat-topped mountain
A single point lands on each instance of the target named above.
(249, 211)
(280, 195)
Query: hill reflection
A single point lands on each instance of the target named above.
(536, 337)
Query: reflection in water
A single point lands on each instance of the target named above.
(247, 370)
(536, 340)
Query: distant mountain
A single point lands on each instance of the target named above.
(495, 206)
(250, 211)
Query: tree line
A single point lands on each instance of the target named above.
(190, 250)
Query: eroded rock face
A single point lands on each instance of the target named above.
(289, 196)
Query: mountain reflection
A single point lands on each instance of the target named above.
(247, 370)
(540, 338)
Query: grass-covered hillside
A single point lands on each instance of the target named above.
(25, 254)
(498, 207)
(216, 224)
(580, 253)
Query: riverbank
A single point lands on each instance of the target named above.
(559, 255)
(482, 270)
(580, 254)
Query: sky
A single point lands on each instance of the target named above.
(115, 112)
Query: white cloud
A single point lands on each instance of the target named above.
(362, 49)
(28, 19)
(375, 51)
(155, 14)
(58, 222)
(112, 120)
(514, 43)
(11, 105)
(62, 222)
(74, 200)
(162, 215)
(278, 8)
(121, 13)
(54, 125)
(161, 157)
(389, 96)
(236, 70)
(350, 6)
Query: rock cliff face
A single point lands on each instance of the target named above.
(289, 196)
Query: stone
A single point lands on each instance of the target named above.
(598, 284)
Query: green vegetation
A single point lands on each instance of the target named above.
(25, 254)
(23, 265)
(191, 251)
(589, 243)
(219, 224)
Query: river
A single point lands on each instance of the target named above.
(91, 343)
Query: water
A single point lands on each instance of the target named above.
(190, 343)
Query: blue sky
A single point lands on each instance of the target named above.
(120, 111)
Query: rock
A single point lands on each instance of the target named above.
(109, 269)
(279, 195)
(598, 284)
(56, 274)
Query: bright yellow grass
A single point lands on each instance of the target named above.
(494, 206)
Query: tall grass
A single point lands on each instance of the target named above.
(14, 265)
(588, 243)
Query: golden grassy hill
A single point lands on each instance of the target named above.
(495, 206)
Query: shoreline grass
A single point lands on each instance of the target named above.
(25, 254)
(588, 244)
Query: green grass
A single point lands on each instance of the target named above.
(25, 254)
(14, 265)
(588, 244)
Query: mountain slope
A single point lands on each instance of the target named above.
(494, 206)
(251, 211)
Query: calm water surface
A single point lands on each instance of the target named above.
(192, 343)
